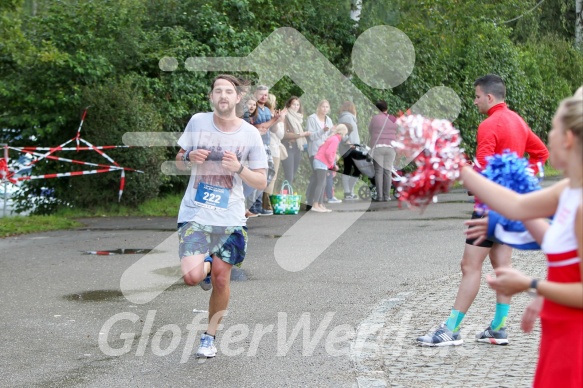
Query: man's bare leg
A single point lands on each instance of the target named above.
(221, 279)
(501, 256)
(471, 266)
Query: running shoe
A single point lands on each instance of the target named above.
(494, 337)
(334, 200)
(207, 346)
(350, 197)
(206, 283)
(441, 337)
(265, 212)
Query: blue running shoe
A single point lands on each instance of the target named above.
(207, 346)
(206, 283)
(441, 337)
(494, 337)
(265, 212)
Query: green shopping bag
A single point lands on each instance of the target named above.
(286, 202)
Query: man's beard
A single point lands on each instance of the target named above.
(226, 110)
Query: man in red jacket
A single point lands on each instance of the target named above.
(503, 129)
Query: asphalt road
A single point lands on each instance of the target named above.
(293, 316)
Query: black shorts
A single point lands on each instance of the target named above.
(485, 243)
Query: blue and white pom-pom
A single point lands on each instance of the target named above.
(514, 173)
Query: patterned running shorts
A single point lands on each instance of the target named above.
(227, 242)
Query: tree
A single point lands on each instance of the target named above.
(58, 56)
(579, 23)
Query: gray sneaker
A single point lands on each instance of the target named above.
(494, 337)
(441, 337)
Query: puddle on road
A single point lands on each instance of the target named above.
(108, 295)
(120, 251)
(237, 275)
(95, 296)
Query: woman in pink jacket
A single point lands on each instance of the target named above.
(324, 160)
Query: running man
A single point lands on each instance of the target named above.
(222, 151)
(503, 129)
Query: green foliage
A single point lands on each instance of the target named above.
(58, 56)
(552, 17)
(459, 41)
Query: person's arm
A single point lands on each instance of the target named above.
(527, 235)
(279, 130)
(197, 156)
(537, 228)
(289, 134)
(509, 281)
(254, 178)
(280, 118)
(538, 204)
(264, 127)
(536, 149)
(314, 129)
(353, 134)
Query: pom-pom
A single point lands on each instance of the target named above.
(434, 146)
(513, 172)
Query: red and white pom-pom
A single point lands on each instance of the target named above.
(434, 146)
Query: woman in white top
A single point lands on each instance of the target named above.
(277, 132)
(318, 126)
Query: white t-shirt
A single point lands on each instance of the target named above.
(245, 142)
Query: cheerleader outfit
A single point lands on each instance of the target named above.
(561, 349)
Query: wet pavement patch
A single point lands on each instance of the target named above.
(120, 251)
(95, 296)
(169, 271)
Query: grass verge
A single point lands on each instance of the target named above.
(65, 218)
(158, 207)
(10, 226)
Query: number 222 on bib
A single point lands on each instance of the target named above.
(212, 197)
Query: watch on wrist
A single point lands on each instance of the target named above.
(186, 160)
(532, 289)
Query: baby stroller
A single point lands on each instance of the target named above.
(366, 168)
